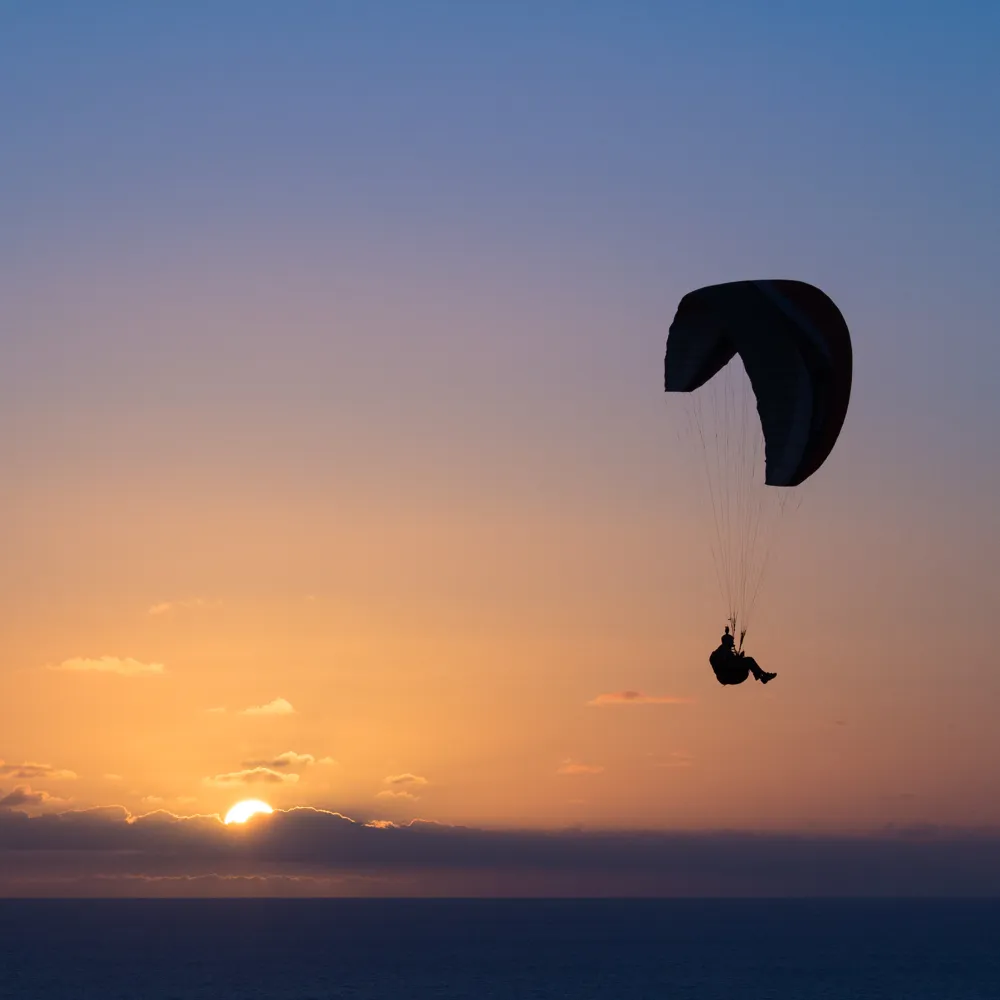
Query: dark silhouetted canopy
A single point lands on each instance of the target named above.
(796, 349)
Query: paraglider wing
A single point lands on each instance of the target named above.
(796, 349)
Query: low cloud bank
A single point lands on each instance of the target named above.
(313, 844)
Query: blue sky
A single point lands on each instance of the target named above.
(643, 148)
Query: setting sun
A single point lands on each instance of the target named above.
(242, 811)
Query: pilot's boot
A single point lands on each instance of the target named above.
(761, 675)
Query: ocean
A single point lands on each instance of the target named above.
(581, 949)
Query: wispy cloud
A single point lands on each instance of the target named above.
(288, 759)
(677, 759)
(34, 771)
(636, 698)
(279, 706)
(166, 607)
(406, 780)
(328, 760)
(253, 776)
(402, 786)
(124, 666)
(575, 767)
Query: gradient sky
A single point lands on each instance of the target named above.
(331, 345)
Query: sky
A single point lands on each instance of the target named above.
(340, 474)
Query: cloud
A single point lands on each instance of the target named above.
(22, 795)
(401, 785)
(676, 759)
(287, 759)
(166, 607)
(113, 777)
(575, 767)
(328, 760)
(408, 780)
(426, 858)
(277, 707)
(636, 698)
(253, 776)
(34, 771)
(125, 666)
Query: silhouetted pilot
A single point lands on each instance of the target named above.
(734, 668)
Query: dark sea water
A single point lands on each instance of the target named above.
(411, 950)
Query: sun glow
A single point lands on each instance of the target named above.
(242, 811)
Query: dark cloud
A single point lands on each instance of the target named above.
(312, 843)
(23, 796)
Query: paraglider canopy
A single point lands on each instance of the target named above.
(796, 349)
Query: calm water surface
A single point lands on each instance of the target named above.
(411, 950)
